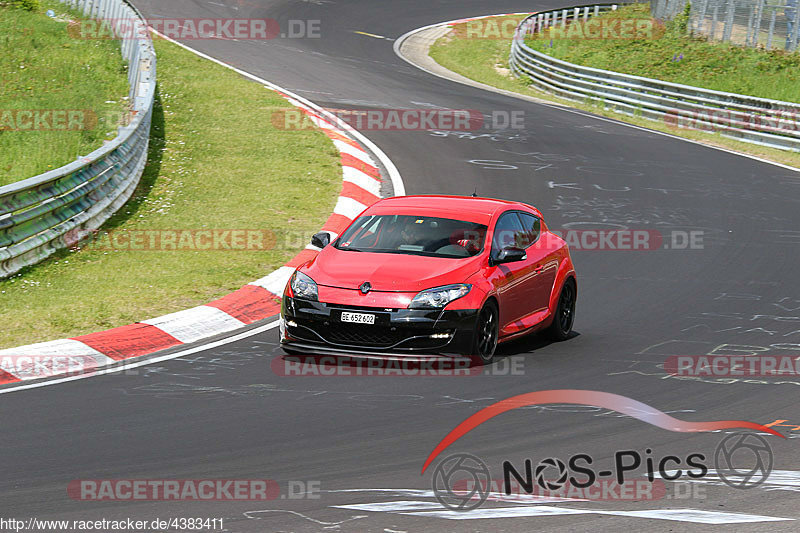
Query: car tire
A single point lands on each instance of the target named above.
(484, 339)
(561, 328)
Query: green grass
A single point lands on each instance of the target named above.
(725, 67)
(215, 162)
(486, 61)
(42, 67)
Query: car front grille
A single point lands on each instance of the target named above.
(363, 335)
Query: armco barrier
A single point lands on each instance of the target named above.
(38, 215)
(755, 120)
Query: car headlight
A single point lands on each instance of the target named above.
(303, 287)
(438, 297)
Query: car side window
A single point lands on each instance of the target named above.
(532, 227)
(507, 232)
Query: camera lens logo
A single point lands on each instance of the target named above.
(544, 466)
(743, 460)
(461, 470)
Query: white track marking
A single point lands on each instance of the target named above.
(191, 325)
(402, 505)
(696, 516)
(391, 169)
(138, 363)
(501, 512)
(431, 509)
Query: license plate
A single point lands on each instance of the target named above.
(358, 318)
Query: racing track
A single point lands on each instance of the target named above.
(223, 413)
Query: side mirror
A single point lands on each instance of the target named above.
(509, 254)
(321, 239)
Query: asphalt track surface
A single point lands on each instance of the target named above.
(224, 413)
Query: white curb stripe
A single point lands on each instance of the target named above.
(349, 149)
(365, 181)
(276, 281)
(191, 325)
(58, 347)
(348, 207)
(44, 351)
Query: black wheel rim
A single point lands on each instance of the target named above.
(487, 333)
(566, 308)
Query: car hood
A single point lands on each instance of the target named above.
(388, 272)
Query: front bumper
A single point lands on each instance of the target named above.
(316, 328)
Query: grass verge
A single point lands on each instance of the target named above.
(486, 61)
(44, 68)
(215, 162)
(669, 54)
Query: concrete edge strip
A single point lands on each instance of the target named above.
(260, 299)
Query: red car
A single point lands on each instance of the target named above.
(431, 275)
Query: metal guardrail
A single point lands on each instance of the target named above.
(755, 120)
(41, 214)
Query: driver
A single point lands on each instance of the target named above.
(412, 233)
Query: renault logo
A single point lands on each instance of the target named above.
(365, 287)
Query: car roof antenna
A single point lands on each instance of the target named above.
(475, 194)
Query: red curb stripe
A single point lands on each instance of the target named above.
(352, 161)
(302, 257)
(336, 223)
(133, 340)
(249, 304)
(5, 377)
(351, 190)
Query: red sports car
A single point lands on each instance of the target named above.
(431, 275)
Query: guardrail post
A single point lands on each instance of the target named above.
(796, 30)
(726, 32)
(771, 33)
(699, 20)
(714, 19)
(759, 17)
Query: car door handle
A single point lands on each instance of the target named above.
(538, 269)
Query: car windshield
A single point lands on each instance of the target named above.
(413, 235)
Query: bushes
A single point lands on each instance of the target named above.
(30, 5)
